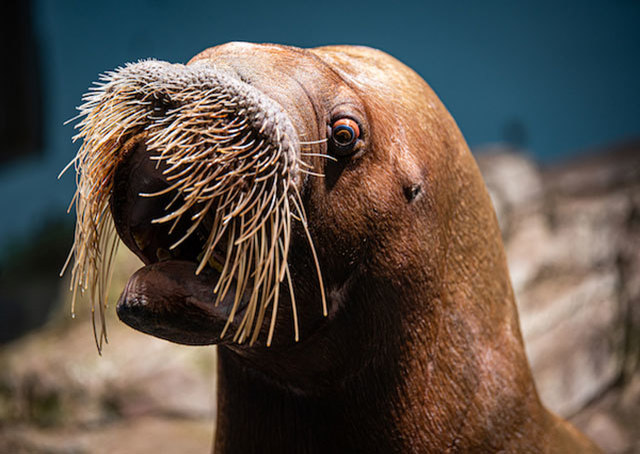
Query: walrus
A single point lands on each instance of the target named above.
(318, 215)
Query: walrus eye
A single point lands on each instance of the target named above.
(344, 134)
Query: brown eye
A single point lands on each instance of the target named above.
(344, 134)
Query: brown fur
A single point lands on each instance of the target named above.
(421, 351)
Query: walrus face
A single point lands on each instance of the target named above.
(276, 196)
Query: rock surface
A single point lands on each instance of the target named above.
(572, 237)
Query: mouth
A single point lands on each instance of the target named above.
(175, 296)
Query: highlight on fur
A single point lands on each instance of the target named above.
(230, 156)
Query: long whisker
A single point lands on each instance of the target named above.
(321, 155)
(313, 142)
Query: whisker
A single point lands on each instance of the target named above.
(314, 142)
(308, 172)
(321, 155)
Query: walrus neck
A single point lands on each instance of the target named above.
(423, 394)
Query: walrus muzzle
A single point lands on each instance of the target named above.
(200, 174)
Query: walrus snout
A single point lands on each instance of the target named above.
(195, 166)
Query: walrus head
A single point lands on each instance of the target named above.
(299, 199)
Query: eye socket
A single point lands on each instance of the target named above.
(344, 134)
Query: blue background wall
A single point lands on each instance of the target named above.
(564, 75)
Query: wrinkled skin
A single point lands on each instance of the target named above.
(421, 350)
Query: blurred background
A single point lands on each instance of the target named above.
(546, 93)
